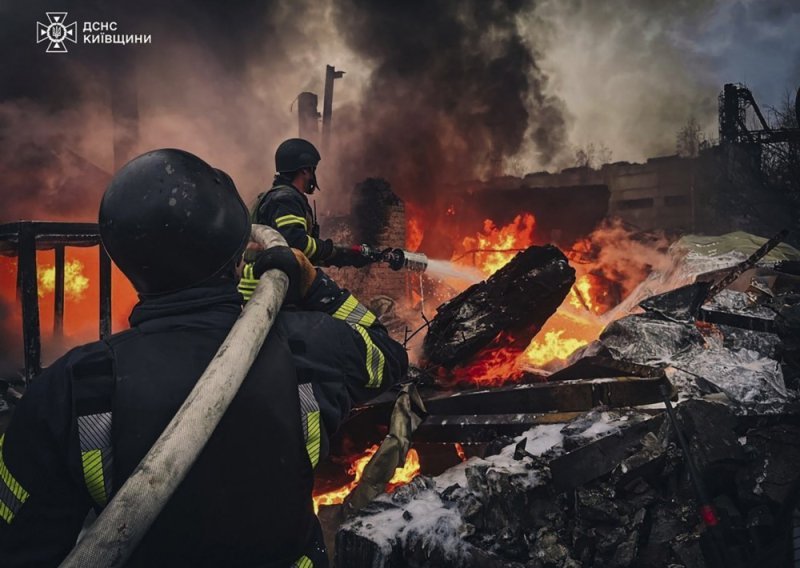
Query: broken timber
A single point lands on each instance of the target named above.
(473, 416)
(599, 457)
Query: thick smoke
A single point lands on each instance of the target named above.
(434, 92)
(631, 73)
(218, 80)
(454, 91)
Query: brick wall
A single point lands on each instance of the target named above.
(378, 279)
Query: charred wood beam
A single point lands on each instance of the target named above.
(26, 267)
(58, 304)
(565, 396)
(105, 293)
(743, 321)
(536, 398)
(477, 428)
(515, 302)
(597, 366)
(511, 409)
(598, 458)
(23, 239)
(49, 234)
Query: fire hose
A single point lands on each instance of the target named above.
(127, 518)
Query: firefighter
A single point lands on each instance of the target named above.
(285, 206)
(176, 227)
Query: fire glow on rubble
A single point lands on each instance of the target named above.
(402, 475)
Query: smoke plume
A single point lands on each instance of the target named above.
(454, 91)
(434, 93)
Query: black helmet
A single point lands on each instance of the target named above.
(170, 221)
(295, 154)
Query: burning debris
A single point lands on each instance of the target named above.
(612, 486)
(501, 314)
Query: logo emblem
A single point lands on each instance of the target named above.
(57, 32)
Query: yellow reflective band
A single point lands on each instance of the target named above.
(311, 247)
(346, 308)
(247, 273)
(12, 494)
(6, 513)
(304, 562)
(352, 311)
(368, 319)
(93, 475)
(375, 359)
(290, 220)
(314, 437)
(248, 282)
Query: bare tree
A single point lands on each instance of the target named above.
(690, 139)
(591, 156)
(781, 162)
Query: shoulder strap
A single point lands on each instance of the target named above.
(262, 197)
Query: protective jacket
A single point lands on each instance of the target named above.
(87, 420)
(287, 210)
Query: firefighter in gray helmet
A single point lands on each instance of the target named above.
(285, 206)
(177, 227)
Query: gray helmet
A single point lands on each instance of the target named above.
(170, 221)
(295, 154)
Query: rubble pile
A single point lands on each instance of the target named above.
(502, 511)
(612, 486)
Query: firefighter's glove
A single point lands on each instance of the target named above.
(291, 262)
(359, 260)
(347, 256)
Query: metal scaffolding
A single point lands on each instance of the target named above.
(23, 239)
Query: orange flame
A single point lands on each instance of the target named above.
(495, 365)
(461, 453)
(402, 475)
(572, 326)
(81, 299)
(553, 346)
(603, 278)
(75, 281)
(487, 247)
(414, 234)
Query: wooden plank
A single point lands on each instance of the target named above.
(599, 457)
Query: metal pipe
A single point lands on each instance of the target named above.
(331, 74)
(127, 518)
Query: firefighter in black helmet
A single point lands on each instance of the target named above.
(177, 228)
(285, 206)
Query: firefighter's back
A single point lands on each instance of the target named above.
(246, 501)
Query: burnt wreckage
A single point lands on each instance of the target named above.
(581, 468)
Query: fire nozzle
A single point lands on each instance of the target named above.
(396, 258)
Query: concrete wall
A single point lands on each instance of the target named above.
(658, 194)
